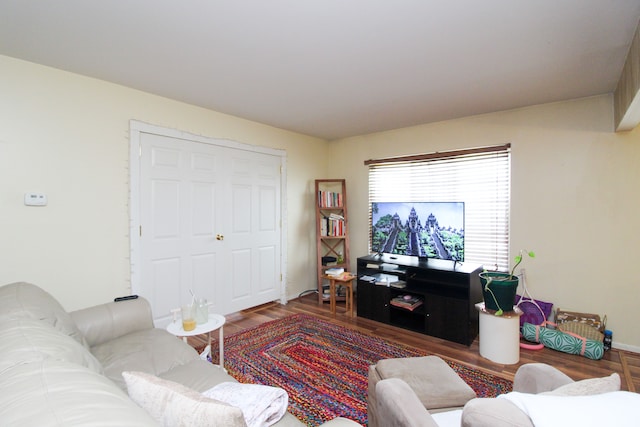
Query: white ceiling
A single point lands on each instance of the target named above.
(334, 68)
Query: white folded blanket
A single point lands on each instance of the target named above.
(617, 408)
(261, 405)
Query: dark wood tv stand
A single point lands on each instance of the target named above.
(448, 293)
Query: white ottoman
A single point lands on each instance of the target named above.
(433, 381)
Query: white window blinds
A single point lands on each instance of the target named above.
(478, 177)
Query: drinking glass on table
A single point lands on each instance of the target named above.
(202, 311)
(188, 317)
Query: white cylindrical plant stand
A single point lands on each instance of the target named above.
(499, 335)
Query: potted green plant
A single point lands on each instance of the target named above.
(499, 289)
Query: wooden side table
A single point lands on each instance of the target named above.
(346, 280)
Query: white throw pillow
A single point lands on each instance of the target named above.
(174, 405)
(588, 387)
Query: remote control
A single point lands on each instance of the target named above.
(128, 297)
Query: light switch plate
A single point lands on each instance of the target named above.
(35, 199)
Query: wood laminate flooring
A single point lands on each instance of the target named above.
(625, 363)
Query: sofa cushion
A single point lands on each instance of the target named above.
(434, 382)
(20, 300)
(173, 404)
(198, 374)
(154, 351)
(493, 412)
(27, 340)
(105, 322)
(588, 387)
(58, 393)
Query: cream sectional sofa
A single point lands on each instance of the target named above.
(65, 369)
(543, 396)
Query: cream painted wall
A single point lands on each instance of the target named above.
(574, 188)
(574, 199)
(67, 136)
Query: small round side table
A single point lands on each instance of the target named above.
(216, 321)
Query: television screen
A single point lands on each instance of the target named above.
(422, 229)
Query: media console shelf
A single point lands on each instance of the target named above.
(440, 295)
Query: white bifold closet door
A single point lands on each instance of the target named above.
(210, 223)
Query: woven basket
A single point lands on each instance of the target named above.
(582, 329)
(590, 319)
(586, 325)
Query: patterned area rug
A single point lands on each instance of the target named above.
(323, 366)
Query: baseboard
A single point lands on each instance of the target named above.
(626, 347)
(616, 345)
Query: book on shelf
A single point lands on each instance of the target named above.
(386, 279)
(400, 284)
(407, 302)
(329, 199)
(332, 227)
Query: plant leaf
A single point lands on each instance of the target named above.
(499, 312)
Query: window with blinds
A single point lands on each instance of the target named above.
(478, 177)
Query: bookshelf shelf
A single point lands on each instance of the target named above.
(332, 231)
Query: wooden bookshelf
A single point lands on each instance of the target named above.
(332, 230)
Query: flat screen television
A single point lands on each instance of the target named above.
(422, 229)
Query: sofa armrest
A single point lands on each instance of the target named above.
(492, 412)
(372, 402)
(538, 377)
(105, 322)
(399, 406)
